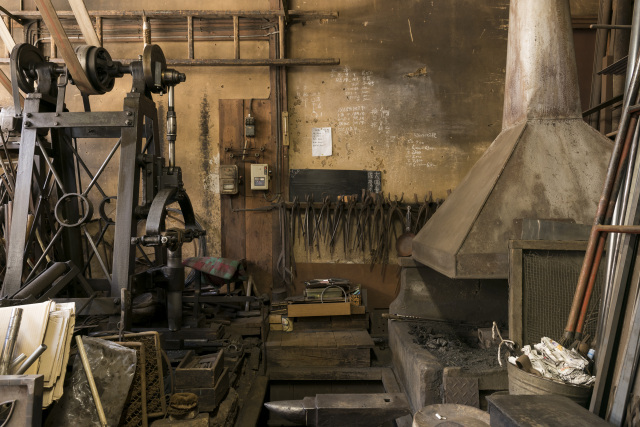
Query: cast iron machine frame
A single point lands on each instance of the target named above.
(51, 210)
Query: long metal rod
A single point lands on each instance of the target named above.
(602, 239)
(31, 359)
(97, 243)
(621, 139)
(10, 340)
(91, 380)
(45, 252)
(94, 178)
(95, 250)
(51, 168)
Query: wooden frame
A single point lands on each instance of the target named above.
(516, 248)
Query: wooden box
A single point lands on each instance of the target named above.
(209, 397)
(327, 309)
(190, 372)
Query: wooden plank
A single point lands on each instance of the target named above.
(236, 37)
(344, 339)
(293, 339)
(328, 309)
(295, 357)
(325, 339)
(260, 232)
(250, 411)
(190, 53)
(549, 245)
(314, 374)
(6, 83)
(362, 339)
(232, 234)
(275, 338)
(84, 22)
(515, 296)
(6, 36)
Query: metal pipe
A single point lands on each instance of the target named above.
(10, 340)
(609, 27)
(146, 30)
(634, 40)
(16, 362)
(44, 280)
(31, 359)
(91, 381)
(624, 195)
(602, 237)
(622, 139)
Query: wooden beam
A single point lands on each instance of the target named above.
(6, 36)
(236, 37)
(6, 83)
(281, 36)
(59, 36)
(190, 37)
(99, 29)
(172, 14)
(84, 22)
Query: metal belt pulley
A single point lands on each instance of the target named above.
(101, 70)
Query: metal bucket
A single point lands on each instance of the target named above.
(521, 382)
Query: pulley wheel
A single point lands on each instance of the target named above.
(153, 65)
(24, 60)
(96, 62)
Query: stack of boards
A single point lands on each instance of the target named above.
(50, 324)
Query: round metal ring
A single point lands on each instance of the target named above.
(102, 212)
(67, 198)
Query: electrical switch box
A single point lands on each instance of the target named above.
(260, 177)
(228, 179)
(250, 126)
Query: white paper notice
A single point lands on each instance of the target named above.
(321, 142)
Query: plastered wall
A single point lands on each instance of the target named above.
(418, 94)
(196, 103)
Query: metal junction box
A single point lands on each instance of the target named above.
(260, 177)
(228, 179)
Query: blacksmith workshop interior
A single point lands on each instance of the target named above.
(319, 213)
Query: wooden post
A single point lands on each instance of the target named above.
(190, 36)
(99, 29)
(236, 37)
(84, 22)
(281, 35)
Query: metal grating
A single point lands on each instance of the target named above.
(549, 279)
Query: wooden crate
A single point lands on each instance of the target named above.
(327, 309)
(319, 348)
(189, 374)
(210, 397)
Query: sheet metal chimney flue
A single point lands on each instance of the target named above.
(545, 164)
(541, 75)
